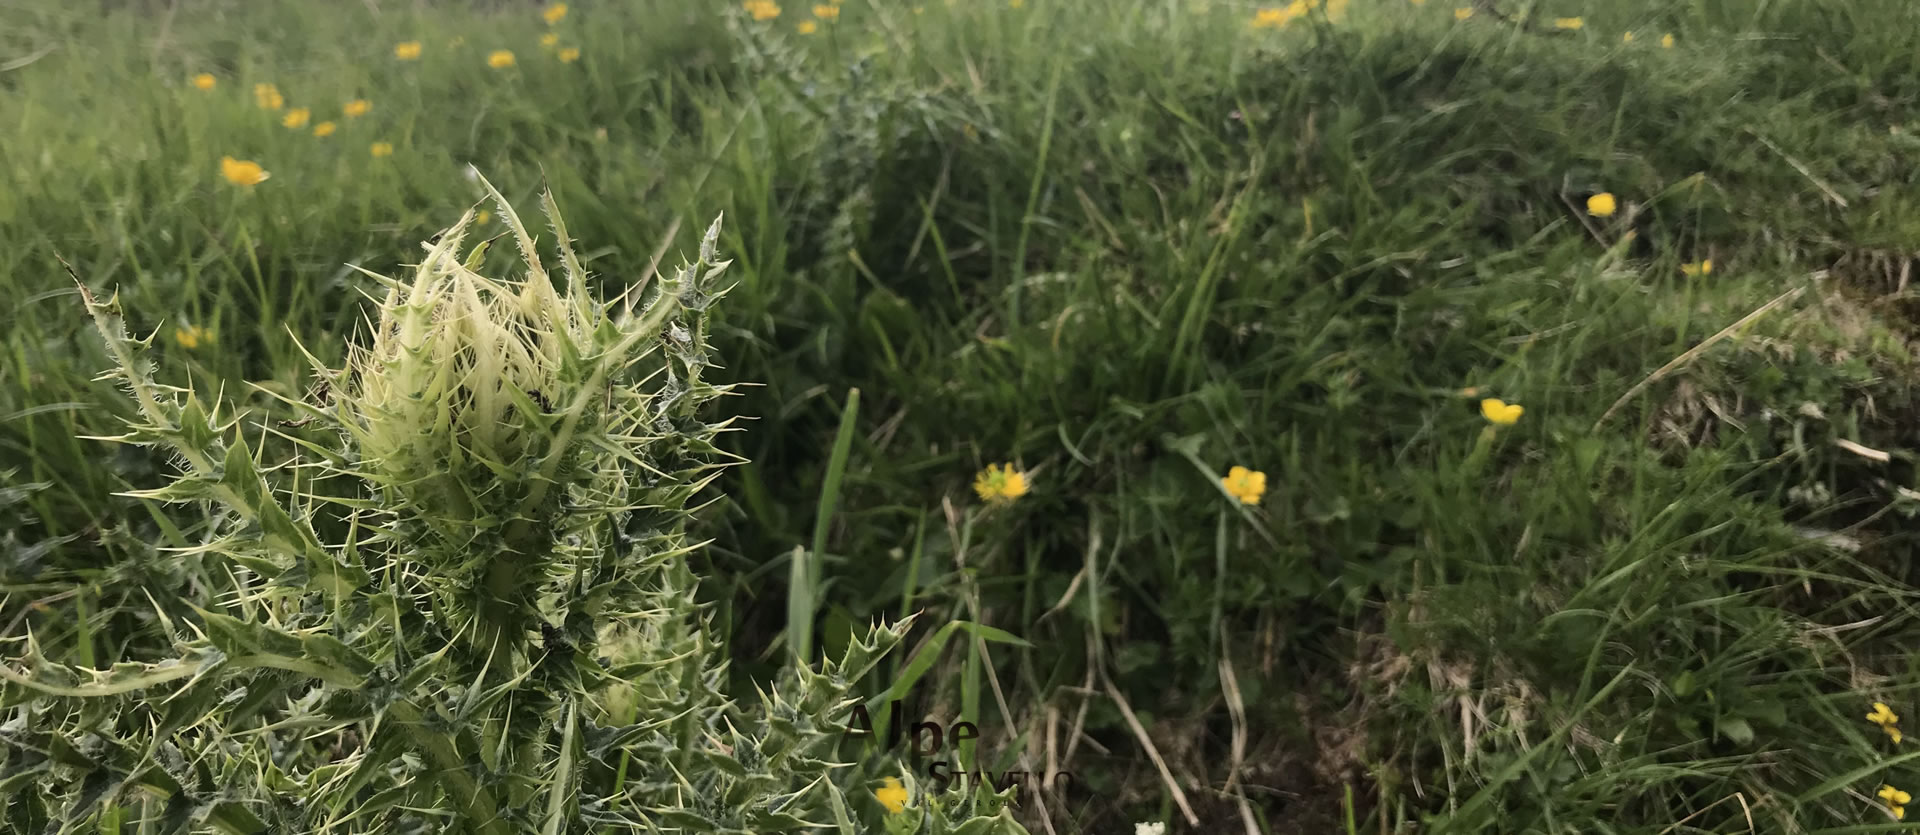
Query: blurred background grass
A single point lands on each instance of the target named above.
(1124, 247)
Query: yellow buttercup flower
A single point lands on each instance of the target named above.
(555, 13)
(356, 108)
(500, 59)
(1896, 801)
(1244, 484)
(1569, 23)
(204, 81)
(549, 39)
(761, 9)
(1000, 484)
(192, 336)
(242, 172)
(1601, 205)
(1278, 18)
(1886, 719)
(807, 27)
(892, 795)
(324, 129)
(407, 50)
(483, 218)
(1666, 41)
(1703, 267)
(826, 12)
(1500, 412)
(1626, 37)
(569, 54)
(296, 118)
(268, 97)
(381, 149)
(1462, 13)
(1014, 4)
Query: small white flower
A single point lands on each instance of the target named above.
(1155, 828)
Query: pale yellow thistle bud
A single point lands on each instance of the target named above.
(480, 400)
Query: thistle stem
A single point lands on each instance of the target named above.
(477, 804)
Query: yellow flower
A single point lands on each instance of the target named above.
(191, 336)
(1703, 267)
(1277, 18)
(1626, 37)
(1000, 484)
(499, 59)
(826, 12)
(1501, 412)
(1016, 3)
(324, 129)
(1601, 205)
(1462, 13)
(483, 218)
(296, 118)
(555, 13)
(357, 108)
(1246, 485)
(407, 50)
(892, 795)
(549, 39)
(1886, 718)
(1269, 19)
(807, 27)
(1666, 41)
(569, 54)
(1896, 801)
(268, 97)
(761, 9)
(1569, 23)
(204, 81)
(381, 149)
(242, 172)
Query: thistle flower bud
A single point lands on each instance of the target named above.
(484, 405)
(452, 400)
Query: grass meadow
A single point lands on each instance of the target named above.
(1120, 248)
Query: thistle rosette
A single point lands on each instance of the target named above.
(411, 638)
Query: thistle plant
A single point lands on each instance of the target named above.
(461, 602)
